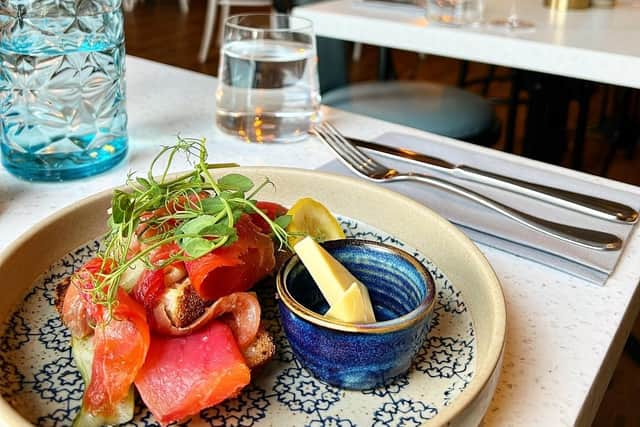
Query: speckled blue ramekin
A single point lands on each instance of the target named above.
(358, 356)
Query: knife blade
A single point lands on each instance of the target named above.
(601, 208)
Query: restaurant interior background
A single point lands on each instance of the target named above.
(158, 30)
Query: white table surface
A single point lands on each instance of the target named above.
(564, 336)
(601, 45)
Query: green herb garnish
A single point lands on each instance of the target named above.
(180, 214)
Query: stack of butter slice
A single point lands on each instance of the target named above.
(348, 298)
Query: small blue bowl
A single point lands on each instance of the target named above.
(358, 356)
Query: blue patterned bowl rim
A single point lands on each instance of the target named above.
(425, 307)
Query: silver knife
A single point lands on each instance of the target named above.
(601, 208)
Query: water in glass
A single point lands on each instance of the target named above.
(62, 93)
(455, 12)
(268, 88)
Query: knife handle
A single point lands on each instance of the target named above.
(592, 239)
(601, 208)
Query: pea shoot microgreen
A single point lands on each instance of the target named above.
(193, 210)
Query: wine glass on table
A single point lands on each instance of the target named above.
(513, 22)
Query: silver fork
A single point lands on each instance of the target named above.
(365, 166)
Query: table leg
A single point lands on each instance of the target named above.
(626, 122)
(385, 65)
(514, 101)
(463, 72)
(545, 136)
(584, 96)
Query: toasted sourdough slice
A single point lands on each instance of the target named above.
(184, 306)
(261, 350)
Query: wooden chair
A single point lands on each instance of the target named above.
(210, 21)
(129, 5)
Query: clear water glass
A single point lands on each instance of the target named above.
(512, 22)
(267, 80)
(62, 89)
(455, 12)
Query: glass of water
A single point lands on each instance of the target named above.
(62, 88)
(455, 12)
(513, 22)
(268, 79)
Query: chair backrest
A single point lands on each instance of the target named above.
(333, 66)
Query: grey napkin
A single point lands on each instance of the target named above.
(487, 227)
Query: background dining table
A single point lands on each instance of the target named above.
(564, 335)
(564, 58)
(596, 44)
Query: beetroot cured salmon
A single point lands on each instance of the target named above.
(183, 375)
(178, 371)
(166, 308)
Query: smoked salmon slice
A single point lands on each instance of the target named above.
(184, 375)
(121, 345)
(272, 210)
(75, 314)
(78, 311)
(233, 268)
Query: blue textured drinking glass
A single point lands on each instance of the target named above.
(62, 88)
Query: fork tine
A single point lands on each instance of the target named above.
(351, 155)
(366, 164)
(344, 154)
(357, 153)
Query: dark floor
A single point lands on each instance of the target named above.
(157, 30)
